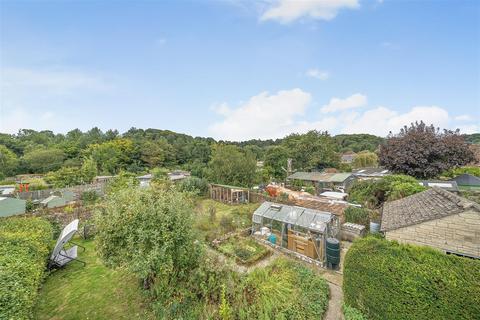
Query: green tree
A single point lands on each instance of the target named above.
(89, 169)
(64, 177)
(313, 150)
(8, 162)
(111, 156)
(230, 165)
(276, 162)
(365, 159)
(43, 159)
(157, 153)
(149, 232)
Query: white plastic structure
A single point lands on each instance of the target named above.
(61, 256)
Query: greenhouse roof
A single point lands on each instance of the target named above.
(300, 216)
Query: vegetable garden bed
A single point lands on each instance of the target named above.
(246, 251)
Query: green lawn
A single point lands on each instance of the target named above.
(91, 292)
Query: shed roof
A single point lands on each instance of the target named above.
(446, 185)
(428, 205)
(320, 176)
(467, 180)
(47, 200)
(304, 217)
(370, 172)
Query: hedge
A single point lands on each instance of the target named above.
(24, 247)
(357, 215)
(387, 280)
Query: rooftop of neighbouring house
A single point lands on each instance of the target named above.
(370, 172)
(320, 176)
(431, 204)
(446, 185)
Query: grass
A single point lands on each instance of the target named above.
(245, 251)
(91, 292)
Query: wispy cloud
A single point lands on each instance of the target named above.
(286, 11)
(356, 100)
(317, 74)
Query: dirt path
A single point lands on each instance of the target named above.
(334, 311)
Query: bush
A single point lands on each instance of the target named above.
(89, 196)
(24, 248)
(310, 190)
(372, 193)
(194, 184)
(351, 313)
(387, 280)
(357, 215)
(452, 173)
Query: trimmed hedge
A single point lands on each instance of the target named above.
(387, 280)
(24, 247)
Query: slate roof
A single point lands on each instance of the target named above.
(428, 205)
(467, 180)
(370, 172)
(320, 176)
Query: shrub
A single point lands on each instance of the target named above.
(387, 280)
(452, 173)
(24, 248)
(89, 196)
(194, 184)
(351, 313)
(310, 190)
(357, 215)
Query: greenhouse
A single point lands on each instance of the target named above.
(298, 229)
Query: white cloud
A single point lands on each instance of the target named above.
(469, 128)
(317, 74)
(463, 117)
(263, 116)
(12, 120)
(286, 11)
(381, 120)
(356, 100)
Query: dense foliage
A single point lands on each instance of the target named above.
(149, 232)
(357, 215)
(358, 142)
(24, 247)
(452, 173)
(231, 165)
(195, 185)
(350, 313)
(373, 193)
(423, 151)
(387, 280)
(365, 159)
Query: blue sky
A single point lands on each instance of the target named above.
(239, 69)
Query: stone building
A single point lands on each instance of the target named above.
(435, 218)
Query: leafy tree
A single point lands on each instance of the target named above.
(111, 156)
(89, 170)
(452, 173)
(43, 159)
(65, 177)
(358, 142)
(276, 162)
(313, 150)
(365, 159)
(124, 180)
(150, 233)
(157, 153)
(8, 162)
(230, 165)
(423, 151)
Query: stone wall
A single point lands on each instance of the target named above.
(458, 233)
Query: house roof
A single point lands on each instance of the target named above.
(428, 205)
(320, 176)
(446, 185)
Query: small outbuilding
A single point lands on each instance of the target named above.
(229, 194)
(445, 185)
(435, 218)
(468, 182)
(53, 202)
(178, 175)
(12, 206)
(323, 181)
(370, 173)
(145, 180)
(298, 229)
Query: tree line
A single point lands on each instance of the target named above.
(76, 157)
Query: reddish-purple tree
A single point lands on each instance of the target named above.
(424, 151)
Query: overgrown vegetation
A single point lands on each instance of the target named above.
(373, 193)
(387, 280)
(358, 215)
(246, 251)
(25, 244)
(351, 313)
(452, 173)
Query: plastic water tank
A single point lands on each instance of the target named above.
(333, 252)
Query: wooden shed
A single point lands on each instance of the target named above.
(229, 194)
(11, 206)
(53, 202)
